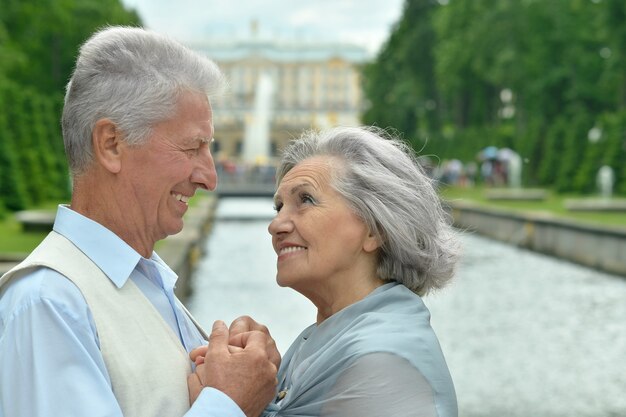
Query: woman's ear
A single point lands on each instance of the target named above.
(107, 145)
(371, 243)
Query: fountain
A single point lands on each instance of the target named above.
(604, 181)
(256, 145)
(255, 174)
(515, 171)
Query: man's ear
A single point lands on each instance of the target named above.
(107, 145)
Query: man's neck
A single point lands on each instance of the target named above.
(98, 201)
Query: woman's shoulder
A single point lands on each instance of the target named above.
(394, 321)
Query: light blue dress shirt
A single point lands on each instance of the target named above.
(50, 359)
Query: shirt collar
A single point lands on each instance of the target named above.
(167, 274)
(110, 253)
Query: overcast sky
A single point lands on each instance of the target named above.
(363, 22)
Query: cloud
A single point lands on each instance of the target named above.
(303, 17)
(364, 22)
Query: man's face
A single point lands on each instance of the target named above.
(165, 172)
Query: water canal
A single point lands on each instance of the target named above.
(524, 334)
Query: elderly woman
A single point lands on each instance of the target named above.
(360, 232)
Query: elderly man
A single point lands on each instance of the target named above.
(89, 324)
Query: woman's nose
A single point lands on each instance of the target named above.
(280, 224)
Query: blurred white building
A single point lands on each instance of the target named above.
(314, 85)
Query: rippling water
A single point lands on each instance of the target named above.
(524, 334)
(237, 276)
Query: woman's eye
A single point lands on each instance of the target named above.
(306, 198)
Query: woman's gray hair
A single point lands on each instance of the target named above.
(133, 77)
(380, 178)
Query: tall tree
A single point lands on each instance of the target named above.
(612, 14)
(38, 44)
(12, 188)
(401, 84)
(48, 33)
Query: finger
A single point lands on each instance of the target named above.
(258, 338)
(240, 339)
(234, 349)
(254, 340)
(237, 339)
(195, 386)
(200, 371)
(196, 375)
(272, 353)
(248, 324)
(200, 351)
(218, 340)
(241, 325)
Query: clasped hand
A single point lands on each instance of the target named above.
(242, 362)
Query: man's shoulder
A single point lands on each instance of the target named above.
(38, 285)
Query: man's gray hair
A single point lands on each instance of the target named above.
(134, 77)
(380, 178)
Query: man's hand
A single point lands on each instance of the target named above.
(246, 374)
(239, 329)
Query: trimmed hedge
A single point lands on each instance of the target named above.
(33, 169)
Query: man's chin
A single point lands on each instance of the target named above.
(173, 229)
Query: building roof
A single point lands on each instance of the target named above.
(277, 51)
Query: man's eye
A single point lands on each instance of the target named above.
(278, 206)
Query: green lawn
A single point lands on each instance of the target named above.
(553, 204)
(14, 241)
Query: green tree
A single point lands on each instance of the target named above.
(51, 109)
(40, 139)
(553, 148)
(39, 40)
(612, 14)
(575, 145)
(504, 74)
(12, 190)
(615, 153)
(401, 83)
(27, 147)
(48, 33)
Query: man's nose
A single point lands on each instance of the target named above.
(204, 173)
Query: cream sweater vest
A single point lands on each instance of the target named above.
(146, 361)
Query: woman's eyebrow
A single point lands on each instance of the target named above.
(293, 190)
(298, 187)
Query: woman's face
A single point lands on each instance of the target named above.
(319, 240)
